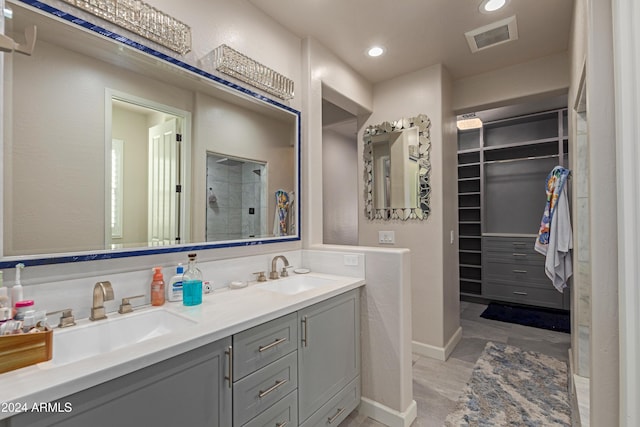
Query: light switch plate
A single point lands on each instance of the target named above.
(386, 237)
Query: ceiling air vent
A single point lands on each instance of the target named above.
(493, 34)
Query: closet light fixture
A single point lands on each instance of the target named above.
(375, 51)
(469, 121)
(489, 6)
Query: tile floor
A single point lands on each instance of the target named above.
(437, 384)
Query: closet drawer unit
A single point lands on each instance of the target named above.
(283, 413)
(520, 258)
(515, 273)
(338, 408)
(523, 245)
(259, 346)
(258, 391)
(520, 294)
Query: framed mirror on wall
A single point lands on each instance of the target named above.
(397, 169)
(74, 110)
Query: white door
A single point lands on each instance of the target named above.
(164, 184)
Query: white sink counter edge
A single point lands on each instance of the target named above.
(222, 313)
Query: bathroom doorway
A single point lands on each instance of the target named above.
(339, 175)
(146, 200)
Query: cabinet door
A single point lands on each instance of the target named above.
(186, 390)
(328, 350)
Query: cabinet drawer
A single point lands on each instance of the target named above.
(338, 408)
(259, 346)
(258, 391)
(523, 294)
(515, 257)
(281, 414)
(509, 244)
(532, 274)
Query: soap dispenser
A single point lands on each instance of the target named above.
(192, 283)
(16, 290)
(157, 287)
(174, 290)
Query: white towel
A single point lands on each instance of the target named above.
(557, 264)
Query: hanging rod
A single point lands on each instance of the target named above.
(550, 156)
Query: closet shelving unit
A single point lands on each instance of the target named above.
(501, 172)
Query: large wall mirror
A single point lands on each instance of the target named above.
(114, 149)
(396, 169)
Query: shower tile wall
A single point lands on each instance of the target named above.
(238, 210)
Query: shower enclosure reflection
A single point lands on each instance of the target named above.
(236, 198)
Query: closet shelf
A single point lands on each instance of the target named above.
(468, 207)
(469, 193)
(469, 251)
(469, 222)
(470, 237)
(471, 265)
(464, 165)
(530, 143)
(475, 178)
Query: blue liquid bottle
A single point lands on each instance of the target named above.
(192, 283)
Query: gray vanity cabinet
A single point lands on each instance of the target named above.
(186, 390)
(329, 360)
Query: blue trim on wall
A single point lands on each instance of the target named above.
(53, 259)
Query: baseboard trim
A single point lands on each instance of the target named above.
(439, 353)
(386, 415)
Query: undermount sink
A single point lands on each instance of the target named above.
(295, 284)
(117, 331)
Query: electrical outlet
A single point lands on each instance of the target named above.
(386, 237)
(351, 260)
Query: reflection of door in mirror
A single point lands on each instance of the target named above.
(145, 200)
(395, 170)
(237, 199)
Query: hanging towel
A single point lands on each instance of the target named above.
(555, 238)
(280, 218)
(292, 213)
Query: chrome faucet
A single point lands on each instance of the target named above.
(274, 272)
(102, 291)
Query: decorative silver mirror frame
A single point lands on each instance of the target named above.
(423, 123)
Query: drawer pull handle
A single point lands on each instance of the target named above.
(273, 344)
(519, 271)
(304, 331)
(282, 424)
(517, 254)
(229, 353)
(332, 419)
(520, 293)
(274, 387)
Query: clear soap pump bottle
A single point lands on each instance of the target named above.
(192, 283)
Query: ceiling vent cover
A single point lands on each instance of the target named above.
(499, 32)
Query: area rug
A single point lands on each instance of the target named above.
(512, 387)
(554, 320)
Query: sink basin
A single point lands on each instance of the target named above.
(295, 284)
(115, 332)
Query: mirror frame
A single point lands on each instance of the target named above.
(423, 123)
(230, 87)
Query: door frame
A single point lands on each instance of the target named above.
(185, 157)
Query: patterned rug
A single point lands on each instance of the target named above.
(512, 387)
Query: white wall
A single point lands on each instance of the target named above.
(546, 76)
(340, 188)
(133, 129)
(434, 279)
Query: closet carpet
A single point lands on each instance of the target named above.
(437, 385)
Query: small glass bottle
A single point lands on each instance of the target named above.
(157, 287)
(192, 283)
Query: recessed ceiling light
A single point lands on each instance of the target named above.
(375, 51)
(488, 6)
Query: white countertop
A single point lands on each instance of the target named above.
(221, 314)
